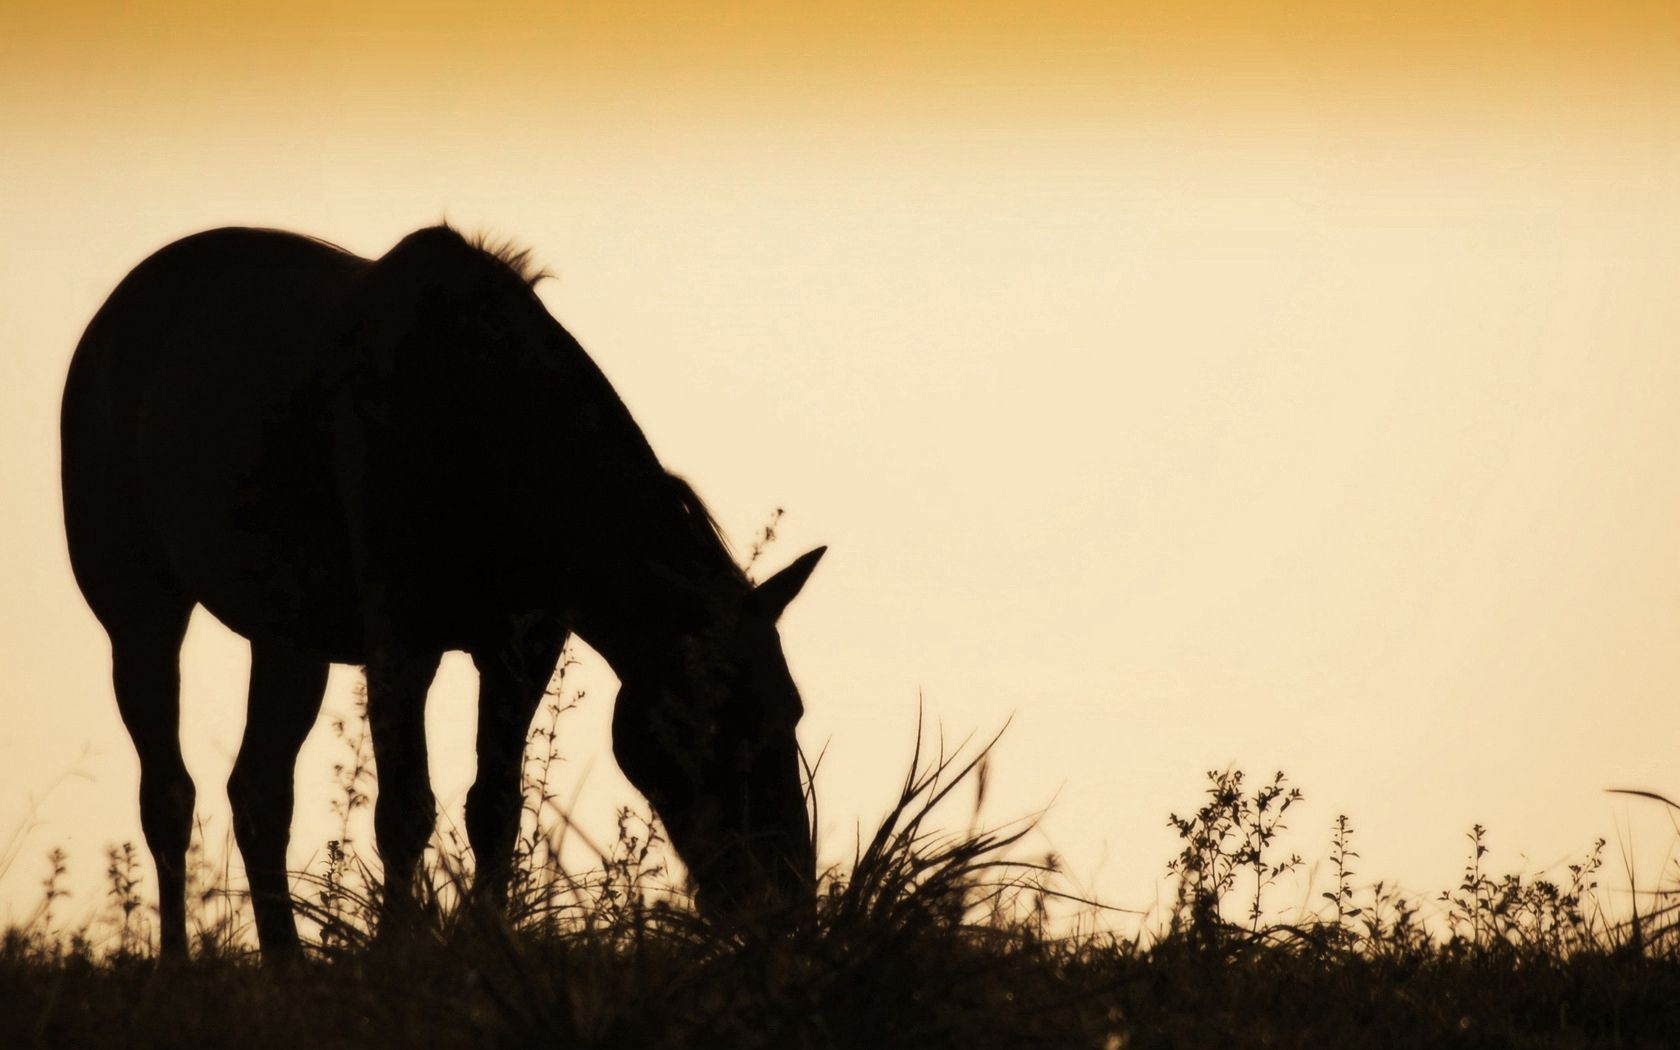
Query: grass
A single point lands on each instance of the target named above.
(926, 938)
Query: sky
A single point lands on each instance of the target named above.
(1287, 386)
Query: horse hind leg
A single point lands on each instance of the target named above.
(145, 672)
(284, 700)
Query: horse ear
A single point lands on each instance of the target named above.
(774, 594)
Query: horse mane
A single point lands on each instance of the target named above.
(511, 255)
(703, 527)
(705, 536)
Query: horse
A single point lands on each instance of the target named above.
(375, 462)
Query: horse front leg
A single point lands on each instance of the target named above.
(513, 677)
(404, 811)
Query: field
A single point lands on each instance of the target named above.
(926, 939)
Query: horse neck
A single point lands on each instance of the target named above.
(642, 555)
(655, 579)
(636, 619)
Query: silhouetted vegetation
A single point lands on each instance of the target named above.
(926, 938)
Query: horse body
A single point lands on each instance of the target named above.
(189, 451)
(375, 462)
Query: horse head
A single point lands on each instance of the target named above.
(708, 736)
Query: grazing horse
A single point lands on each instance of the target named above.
(378, 461)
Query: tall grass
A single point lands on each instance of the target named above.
(926, 936)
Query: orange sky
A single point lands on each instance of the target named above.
(1289, 385)
(167, 53)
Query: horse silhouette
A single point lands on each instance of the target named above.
(375, 462)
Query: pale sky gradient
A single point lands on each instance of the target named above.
(1295, 390)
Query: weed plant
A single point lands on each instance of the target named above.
(926, 937)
